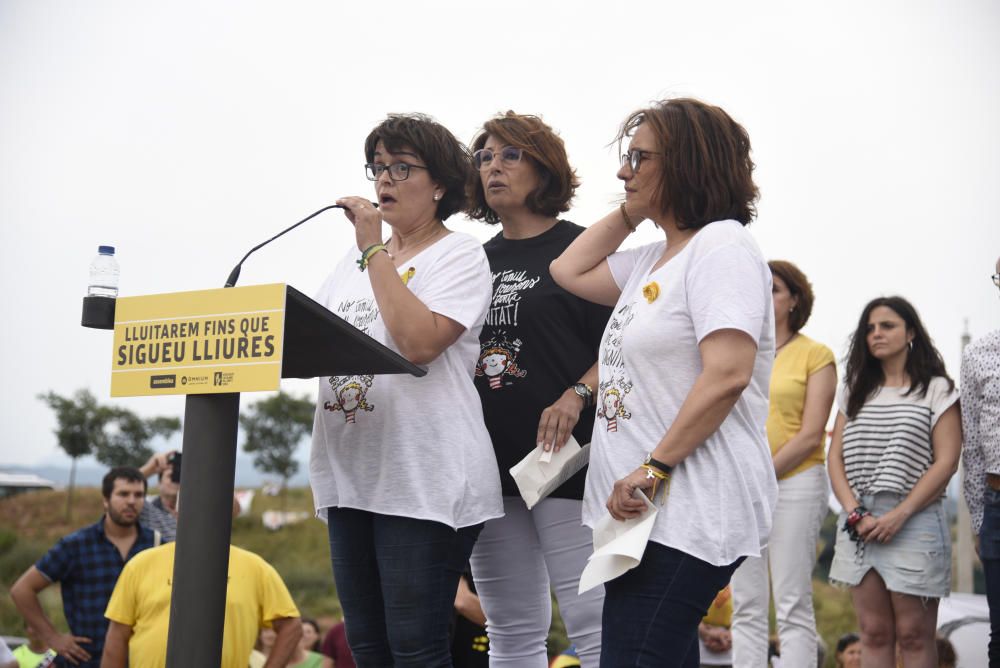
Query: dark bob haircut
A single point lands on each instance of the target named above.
(864, 373)
(546, 151)
(446, 158)
(707, 171)
(800, 288)
(129, 473)
(846, 641)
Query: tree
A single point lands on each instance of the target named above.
(127, 441)
(273, 428)
(115, 436)
(81, 423)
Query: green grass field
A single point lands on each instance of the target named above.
(31, 523)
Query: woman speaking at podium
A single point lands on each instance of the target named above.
(402, 468)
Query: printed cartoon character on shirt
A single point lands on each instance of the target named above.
(612, 405)
(497, 359)
(351, 392)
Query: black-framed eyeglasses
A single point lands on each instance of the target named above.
(509, 156)
(996, 279)
(398, 171)
(635, 157)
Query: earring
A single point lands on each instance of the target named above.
(436, 197)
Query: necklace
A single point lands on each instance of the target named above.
(410, 251)
(785, 343)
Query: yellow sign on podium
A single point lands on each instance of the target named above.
(200, 342)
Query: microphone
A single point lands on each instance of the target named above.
(234, 275)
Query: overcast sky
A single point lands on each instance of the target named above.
(183, 133)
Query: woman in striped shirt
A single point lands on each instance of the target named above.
(895, 446)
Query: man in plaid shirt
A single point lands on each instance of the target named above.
(87, 564)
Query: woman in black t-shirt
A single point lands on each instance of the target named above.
(536, 375)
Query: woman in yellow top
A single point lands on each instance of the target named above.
(803, 383)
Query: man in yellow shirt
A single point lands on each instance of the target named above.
(139, 611)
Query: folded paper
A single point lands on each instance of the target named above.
(618, 546)
(541, 472)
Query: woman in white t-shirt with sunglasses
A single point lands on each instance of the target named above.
(686, 358)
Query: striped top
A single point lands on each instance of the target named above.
(887, 446)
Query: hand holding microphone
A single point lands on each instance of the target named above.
(234, 275)
(366, 219)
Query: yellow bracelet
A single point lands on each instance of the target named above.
(653, 472)
(367, 254)
(628, 221)
(657, 482)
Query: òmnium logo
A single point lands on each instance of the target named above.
(163, 382)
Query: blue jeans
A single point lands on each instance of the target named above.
(989, 554)
(651, 613)
(396, 578)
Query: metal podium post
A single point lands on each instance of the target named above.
(201, 562)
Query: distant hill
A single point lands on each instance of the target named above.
(89, 474)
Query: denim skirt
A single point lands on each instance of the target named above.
(917, 561)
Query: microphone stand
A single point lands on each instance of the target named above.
(234, 275)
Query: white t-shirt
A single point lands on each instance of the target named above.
(887, 446)
(399, 445)
(723, 494)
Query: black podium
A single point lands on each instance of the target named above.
(315, 343)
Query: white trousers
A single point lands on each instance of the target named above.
(516, 560)
(790, 557)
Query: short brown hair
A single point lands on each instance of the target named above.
(707, 171)
(800, 287)
(447, 159)
(545, 149)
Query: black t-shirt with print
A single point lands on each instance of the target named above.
(538, 340)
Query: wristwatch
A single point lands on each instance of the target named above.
(660, 466)
(585, 392)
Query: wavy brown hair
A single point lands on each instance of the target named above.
(448, 161)
(799, 287)
(864, 374)
(545, 149)
(707, 172)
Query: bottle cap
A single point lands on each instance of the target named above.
(106, 250)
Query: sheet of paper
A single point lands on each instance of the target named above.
(536, 479)
(618, 546)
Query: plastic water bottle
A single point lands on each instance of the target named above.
(104, 273)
